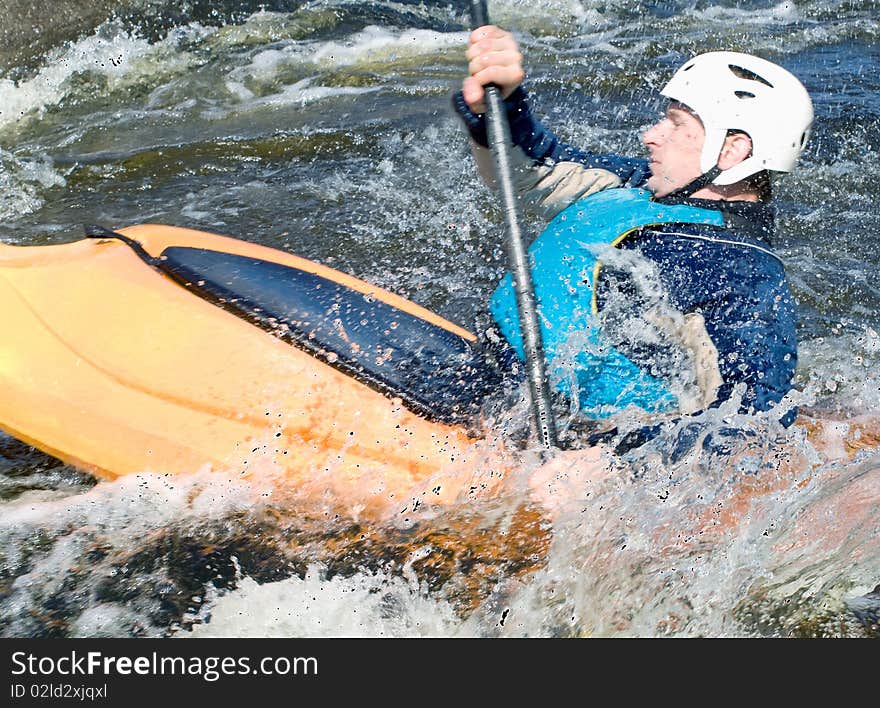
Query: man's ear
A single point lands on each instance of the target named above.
(737, 147)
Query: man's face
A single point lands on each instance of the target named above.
(675, 144)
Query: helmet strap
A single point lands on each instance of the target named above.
(695, 186)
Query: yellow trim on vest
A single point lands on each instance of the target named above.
(594, 303)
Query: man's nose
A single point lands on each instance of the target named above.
(652, 135)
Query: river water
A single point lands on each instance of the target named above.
(324, 128)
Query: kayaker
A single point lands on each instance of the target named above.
(691, 306)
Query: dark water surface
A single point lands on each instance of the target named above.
(324, 128)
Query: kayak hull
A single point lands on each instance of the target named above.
(109, 365)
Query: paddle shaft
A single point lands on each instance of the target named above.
(498, 133)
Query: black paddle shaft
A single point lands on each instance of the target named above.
(498, 133)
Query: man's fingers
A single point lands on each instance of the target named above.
(510, 59)
(473, 93)
(487, 32)
(493, 58)
(490, 46)
(505, 77)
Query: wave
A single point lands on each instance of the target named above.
(23, 182)
(105, 61)
(363, 605)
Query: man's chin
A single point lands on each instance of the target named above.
(656, 186)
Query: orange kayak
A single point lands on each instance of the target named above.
(120, 355)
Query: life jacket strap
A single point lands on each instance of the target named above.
(703, 180)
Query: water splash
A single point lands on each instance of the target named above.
(23, 183)
(698, 532)
(362, 605)
(110, 59)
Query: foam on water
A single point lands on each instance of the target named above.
(842, 385)
(53, 542)
(23, 182)
(371, 46)
(378, 45)
(672, 540)
(805, 25)
(550, 16)
(678, 546)
(362, 605)
(112, 57)
(783, 13)
(264, 27)
(274, 77)
(762, 535)
(301, 93)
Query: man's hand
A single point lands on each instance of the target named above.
(494, 59)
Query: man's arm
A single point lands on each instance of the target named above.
(549, 173)
(752, 323)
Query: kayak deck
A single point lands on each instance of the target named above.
(109, 365)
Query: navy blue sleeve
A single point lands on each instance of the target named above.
(752, 323)
(748, 309)
(540, 144)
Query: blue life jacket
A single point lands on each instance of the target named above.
(581, 363)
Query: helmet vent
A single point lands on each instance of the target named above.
(744, 94)
(748, 75)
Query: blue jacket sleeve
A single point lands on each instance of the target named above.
(753, 327)
(743, 295)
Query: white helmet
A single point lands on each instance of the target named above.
(733, 91)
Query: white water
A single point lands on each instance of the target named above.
(629, 554)
(111, 58)
(363, 605)
(23, 182)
